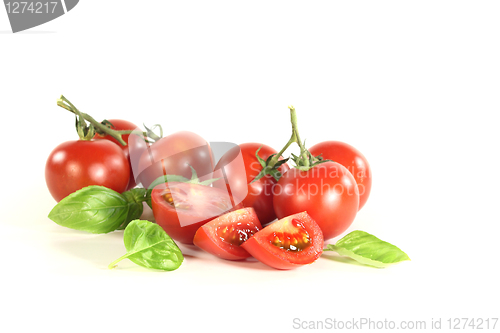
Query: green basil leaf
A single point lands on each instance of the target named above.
(94, 209)
(368, 249)
(148, 245)
(135, 197)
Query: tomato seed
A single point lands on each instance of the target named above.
(236, 236)
(297, 240)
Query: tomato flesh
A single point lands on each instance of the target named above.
(288, 243)
(236, 235)
(298, 240)
(224, 235)
(181, 208)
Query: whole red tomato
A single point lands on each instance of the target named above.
(352, 159)
(175, 155)
(327, 192)
(237, 177)
(122, 125)
(74, 165)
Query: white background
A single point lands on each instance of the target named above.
(413, 85)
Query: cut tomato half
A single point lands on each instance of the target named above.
(291, 242)
(181, 208)
(224, 235)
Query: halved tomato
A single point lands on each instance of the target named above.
(181, 208)
(224, 235)
(288, 243)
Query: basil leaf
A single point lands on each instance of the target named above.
(148, 245)
(94, 209)
(135, 197)
(368, 249)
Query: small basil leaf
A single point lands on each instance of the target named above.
(148, 245)
(135, 198)
(368, 249)
(94, 209)
(135, 195)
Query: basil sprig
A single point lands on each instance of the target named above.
(368, 249)
(98, 210)
(148, 245)
(134, 197)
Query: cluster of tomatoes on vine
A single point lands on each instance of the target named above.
(228, 208)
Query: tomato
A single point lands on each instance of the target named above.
(181, 208)
(238, 176)
(122, 125)
(291, 242)
(223, 236)
(352, 159)
(74, 165)
(174, 155)
(328, 192)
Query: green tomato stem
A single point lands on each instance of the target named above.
(101, 128)
(295, 138)
(276, 157)
(303, 151)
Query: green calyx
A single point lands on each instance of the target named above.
(269, 166)
(304, 161)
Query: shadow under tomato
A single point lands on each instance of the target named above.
(192, 252)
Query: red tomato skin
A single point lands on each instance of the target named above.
(170, 219)
(74, 165)
(260, 193)
(173, 155)
(206, 239)
(122, 125)
(332, 201)
(352, 159)
(261, 248)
